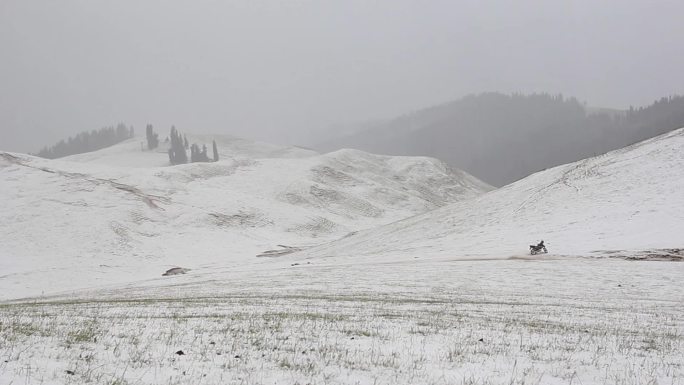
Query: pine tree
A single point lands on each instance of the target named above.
(216, 155)
(172, 154)
(194, 150)
(152, 137)
(197, 155)
(177, 154)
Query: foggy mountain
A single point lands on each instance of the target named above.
(502, 138)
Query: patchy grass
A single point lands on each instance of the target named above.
(424, 332)
(87, 332)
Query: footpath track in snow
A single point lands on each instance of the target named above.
(580, 321)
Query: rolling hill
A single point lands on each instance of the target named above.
(118, 214)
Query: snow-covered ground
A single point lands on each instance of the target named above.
(95, 220)
(445, 297)
(579, 321)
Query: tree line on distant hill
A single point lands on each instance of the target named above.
(108, 136)
(502, 138)
(179, 145)
(88, 141)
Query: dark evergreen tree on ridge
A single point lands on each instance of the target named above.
(152, 137)
(193, 152)
(215, 149)
(197, 155)
(177, 154)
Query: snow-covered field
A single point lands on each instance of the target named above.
(445, 297)
(574, 321)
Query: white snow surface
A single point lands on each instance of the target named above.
(415, 322)
(121, 214)
(620, 203)
(444, 297)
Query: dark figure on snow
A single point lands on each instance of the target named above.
(538, 248)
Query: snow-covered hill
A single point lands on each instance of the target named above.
(621, 203)
(116, 215)
(133, 153)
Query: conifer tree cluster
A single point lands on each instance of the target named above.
(179, 144)
(197, 155)
(108, 136)
(177, 154)
(88, 141)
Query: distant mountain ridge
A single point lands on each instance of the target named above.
(502, 138)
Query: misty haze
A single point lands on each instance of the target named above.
(341, 192)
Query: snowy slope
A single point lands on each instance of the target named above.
(623, 202)
(92, 219)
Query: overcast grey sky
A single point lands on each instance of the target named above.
(277, 70)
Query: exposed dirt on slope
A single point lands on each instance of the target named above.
(665, 255)
(150, 200)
